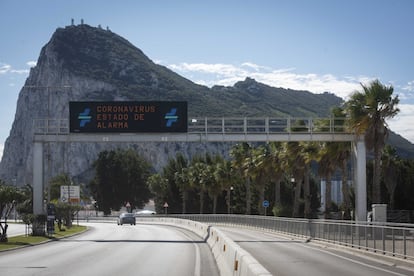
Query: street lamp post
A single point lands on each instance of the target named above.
(230, 207)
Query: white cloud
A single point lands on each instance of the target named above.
(253, 66)
(4, 68)
(228, 74)
(31, 63)
(402, 123)
(219, 69)
(21, 71)
(409, 86)
(1, 150)
(344, 86)
(7, 68)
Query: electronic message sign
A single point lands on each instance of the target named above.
(97, 117)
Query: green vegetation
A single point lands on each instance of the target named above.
(19, 241)
(120, 178)
(9, 197)
(367, 111)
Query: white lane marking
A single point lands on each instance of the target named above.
(355, 261)
(271, 235)
(197, 267)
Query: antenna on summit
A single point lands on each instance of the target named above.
(73, 22)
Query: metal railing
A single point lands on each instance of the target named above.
(388, 239)
(228, 125)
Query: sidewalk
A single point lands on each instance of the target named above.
(16, 229)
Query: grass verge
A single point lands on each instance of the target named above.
(23, 240)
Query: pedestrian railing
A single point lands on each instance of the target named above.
(229, 125)
(388, 239)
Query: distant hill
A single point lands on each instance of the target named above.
(83, 63)
(102, 55)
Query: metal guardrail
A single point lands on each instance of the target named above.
(388, 239)
(228, 125)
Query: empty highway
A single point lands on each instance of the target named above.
(109, 249)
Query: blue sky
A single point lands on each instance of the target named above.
(319, 45)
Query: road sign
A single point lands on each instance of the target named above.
(128, 116)
(266, 203)
(70, 194)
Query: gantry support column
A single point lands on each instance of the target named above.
(38, 178)
(360, 179)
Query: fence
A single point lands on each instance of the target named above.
(388, 239)
(229, 125)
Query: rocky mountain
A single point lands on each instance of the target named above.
(83, 63)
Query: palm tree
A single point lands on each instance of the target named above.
(224, 175)
(240, 153)
(367, 111)
(294, 163)
(276, 170)
(214, 186)
(181, 179)
(258, 172)
(158, 186)
(295, 160)
(310, 153)
(392, 163)
(335, 155)
(326, 169)
(198, 179)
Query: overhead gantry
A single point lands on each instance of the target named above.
(258, 129)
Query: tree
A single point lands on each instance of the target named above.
(259, 171)
(275, 168)
(309, 153)
(64, 210)
(25, 207)
(174, 196)
(326, 169)
(335, 155)
(121, 177)
(224, 175)
(181, 179)
(55, 184)
(158, 186)
(295, 165)
(241, 153)
(198, 179)
(368, 110)
(9, 196)
(391, 172)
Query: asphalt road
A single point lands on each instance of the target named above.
(283, 256)
(109, 249)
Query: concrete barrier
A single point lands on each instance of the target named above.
(231, 259)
